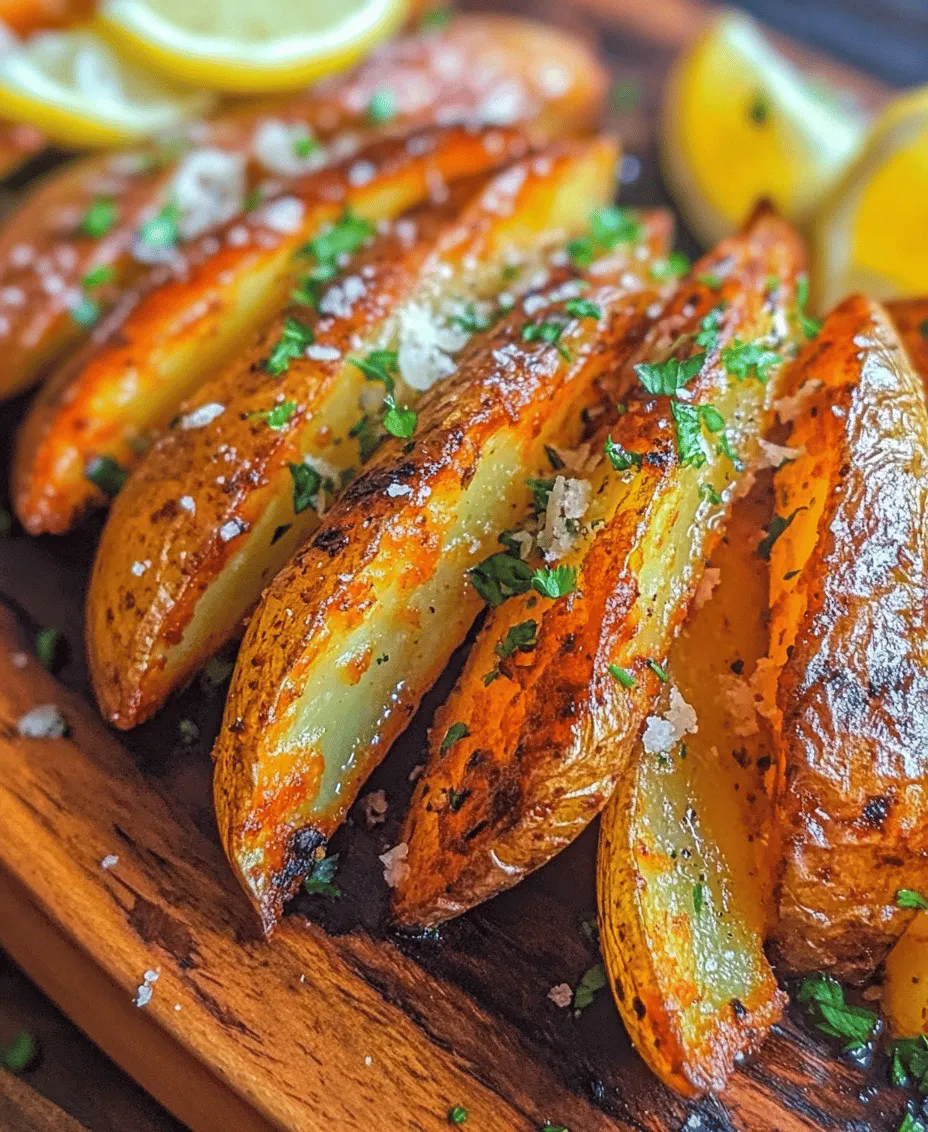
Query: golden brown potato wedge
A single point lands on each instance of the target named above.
(848, 630)
(905, 982)
(547, 738)
(487, 70)
(148, 631)
(355, 629)
(107, 402)
(683, 868)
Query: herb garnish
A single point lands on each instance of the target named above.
(20, 1053)
(658, 671)
(559, 582)
(609, 227)
(99, 219)
(455, 732)
(665, 378)
(673, 267)
(593, 980)
(294, 339)
(436, 18)
(471, 321)
(710, 279)
(305, 145)
(548, 331)
(278, 417)
(810, 326)
(382, 107)
(583, 308)
(749, 359)
(97, 276)
(86, 312)
(824, 997)
(910, 1062)
(306, 485)
(457, 1114)
(708, 335)
(778, 525)
(48, 647)
(456, 799)
(104, 473)
(909, 898)
(397, 420)
(520, 638)
(343, 238)
(699, 898)
(760, 109)
(162, 230)
(499, 577)
(619, 458)
(624, 677)
(321, 877)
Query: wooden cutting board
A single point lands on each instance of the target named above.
(334, 1024)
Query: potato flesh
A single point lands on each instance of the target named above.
(690, 826)
(186, 328)
(480, 69)
(200, 588)
(848, 582)
(546, 743)
(323, 712)
(905, 982)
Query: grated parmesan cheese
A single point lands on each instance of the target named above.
(275, 145)
(284, 215)
(42, 722)
(711, 577)
(663, 733)
(568, 501)
(208, 189)
(202, 416)
(339, 300)
(425, 346)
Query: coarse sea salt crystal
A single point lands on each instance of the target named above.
(276, 144)
(202, 416)
(42, 722)
(188, 503)
(320, 353)
(662, 733)
(110, 861)
(284, 215)
(394, 490)
(232, 529)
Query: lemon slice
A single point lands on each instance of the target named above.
(249, 45)
(871, 234)
(75, 89)
(741, 123)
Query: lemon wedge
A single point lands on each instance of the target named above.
(249, 46)
(73, 87)
(740, 123)
(871, 233)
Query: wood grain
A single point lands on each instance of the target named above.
(278, 1035)
(24, 1110)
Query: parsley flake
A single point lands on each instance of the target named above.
(609, 227)
(690, 449)
(548, 332)
(674, 266)
(559, 582)
(278, 417)
(710, 279)
(48, 647)
(382, 107)
(321, 877)
(97, 276)
(397, 420)
(809, 326)
(456, 799)
(99, 219)
(760, 109)
(619, 458)
(708, 492)
(499, 577)
(909, 1067)
(470, 320)
(909, 898)
(593, 980)
(625, 95)
(824, 997)
(104, 473)
(778, 525)
(162, 231)
(368, 435)
(305, 145)
(457, 1114)
(294, 338)
(699, 898)
(306, 486)
(436, 18)
(749, 359)
(708, 335)
(583, 308)
(520, 638)
(665, 378)
(20, 1053)
(379, 365)
(328, 249)
(658, 671)
(455, 732)
(86, 313)
(624, 677)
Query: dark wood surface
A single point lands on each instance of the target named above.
(891, 40)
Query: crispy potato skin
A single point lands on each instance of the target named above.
(905, 982)
(145, 632)
(487, 70)
(363, 573)
(111, 398)
(548, 740)
(694, 986)
(848, 595)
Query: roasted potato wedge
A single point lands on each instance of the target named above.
(147, 632)
(905, 982)
(481, 69)
(848, 634)
(546, 741)
(683, 869)
(355, 629)
(109, 404)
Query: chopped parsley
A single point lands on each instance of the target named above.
(327, 249)
(97, 276)
(749, 359)
(471, 321)
(690, 449)
(593, 980)
(624, 677)
(625, 95)
(823, 996)
(520, 638)
(48, 647)
(609, 227)
(379, 365)
(708, 335)
(911, 1123)
(457, 1114)
(673, 267)
(711, 418)
(367, 435)
(699, 898)
(559, 582)
(710, 279)
(456, 799)
(548, 331)
(583, 308)
(619, 458)
(554, 1128)
(665, 378)
(162, 231)
(104, 473)
(658, 671)
(708, 492)
(909, 898)
(306, 486)
(189, 732)
(20, 1053)
(321, 878)
(86, 312)
(541, 489)
(382, 107)
(455, 732)
(294, 339)
(99, 219)
(810, 326)
(254, 198)
(909, 1063)
(305, 145)
(217, 672)
(554, 458)
(499, 577)
(778, 525)
(436, 18)
(278, 417)
(397, 420)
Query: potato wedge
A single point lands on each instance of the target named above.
(109, 404)
(481, 69)
(848, 631)
(683, 869)
(148, 632)
(547, 739)
(356, 628)
(905, 982)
